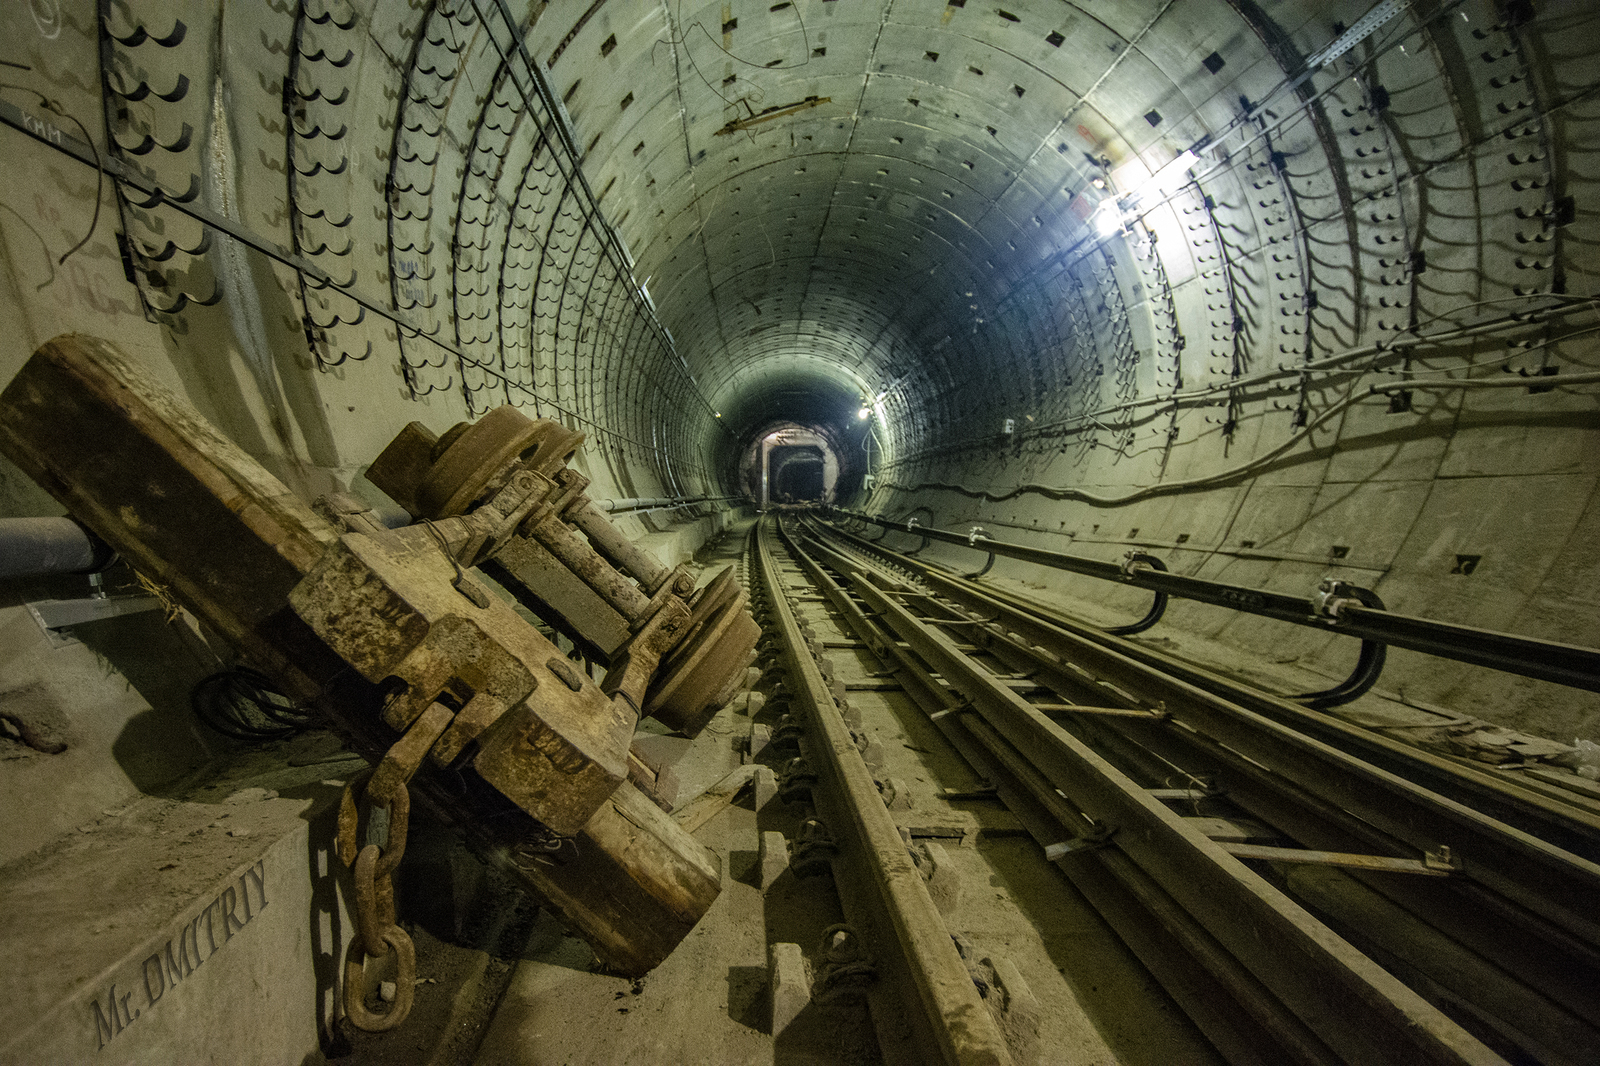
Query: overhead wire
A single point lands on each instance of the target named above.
(100, 171)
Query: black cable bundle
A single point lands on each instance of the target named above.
(245, 705)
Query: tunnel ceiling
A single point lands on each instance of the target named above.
(674, 224)
(898, 197)
(1309, 347)
(842, 190)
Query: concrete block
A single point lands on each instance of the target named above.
(774, 857)
(760, 737)
(766, 786)
(789, 984)
(179, 932)
(944, 883)
(1019, 1010)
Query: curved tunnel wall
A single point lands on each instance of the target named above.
(676, 225)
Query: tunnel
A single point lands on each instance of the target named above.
(1273, 292)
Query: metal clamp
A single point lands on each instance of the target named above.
(813, 850)
(1331, 597)
(975, 534)
(1133, 563)
(847, 970)
(797, 781)
(914, 525)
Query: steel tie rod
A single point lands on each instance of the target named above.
(1353, 1004)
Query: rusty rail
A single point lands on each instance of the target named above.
(1321, 997)
(883, 893)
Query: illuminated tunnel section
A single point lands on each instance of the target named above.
(1257, 285)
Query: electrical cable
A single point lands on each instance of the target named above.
(100, 181)
(1260, 460)
(245, 705)
(1331, 364)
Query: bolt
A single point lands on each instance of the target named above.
(564, 669)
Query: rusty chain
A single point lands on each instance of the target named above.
(373, 865)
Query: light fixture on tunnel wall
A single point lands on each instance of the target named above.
(863, 412)
(1114, 212)
(1165, 181)
(1107, 218)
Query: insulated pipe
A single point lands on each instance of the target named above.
(655, 502)
(1547, 660)
(39, 547)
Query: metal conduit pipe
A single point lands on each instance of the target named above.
(1547, 660)
(40, 547)
(656, 503)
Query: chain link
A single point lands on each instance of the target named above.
(377, 933)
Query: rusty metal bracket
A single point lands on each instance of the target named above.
(391, 609)
(813, 851)
(500, 494)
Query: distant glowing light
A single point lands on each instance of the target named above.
(863, 413)
(1107, 218)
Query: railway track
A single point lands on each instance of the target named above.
(1293, 888)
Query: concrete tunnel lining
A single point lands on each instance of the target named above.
(673, 229)
(677, 227)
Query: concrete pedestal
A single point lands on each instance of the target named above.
(207, 929)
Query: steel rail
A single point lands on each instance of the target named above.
(1567, 825)
(1564, 664)
(1546, 880)
(1198, 973)
(1524, 977)
(1353, 1006)
(1530, 994)
(883, 893)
